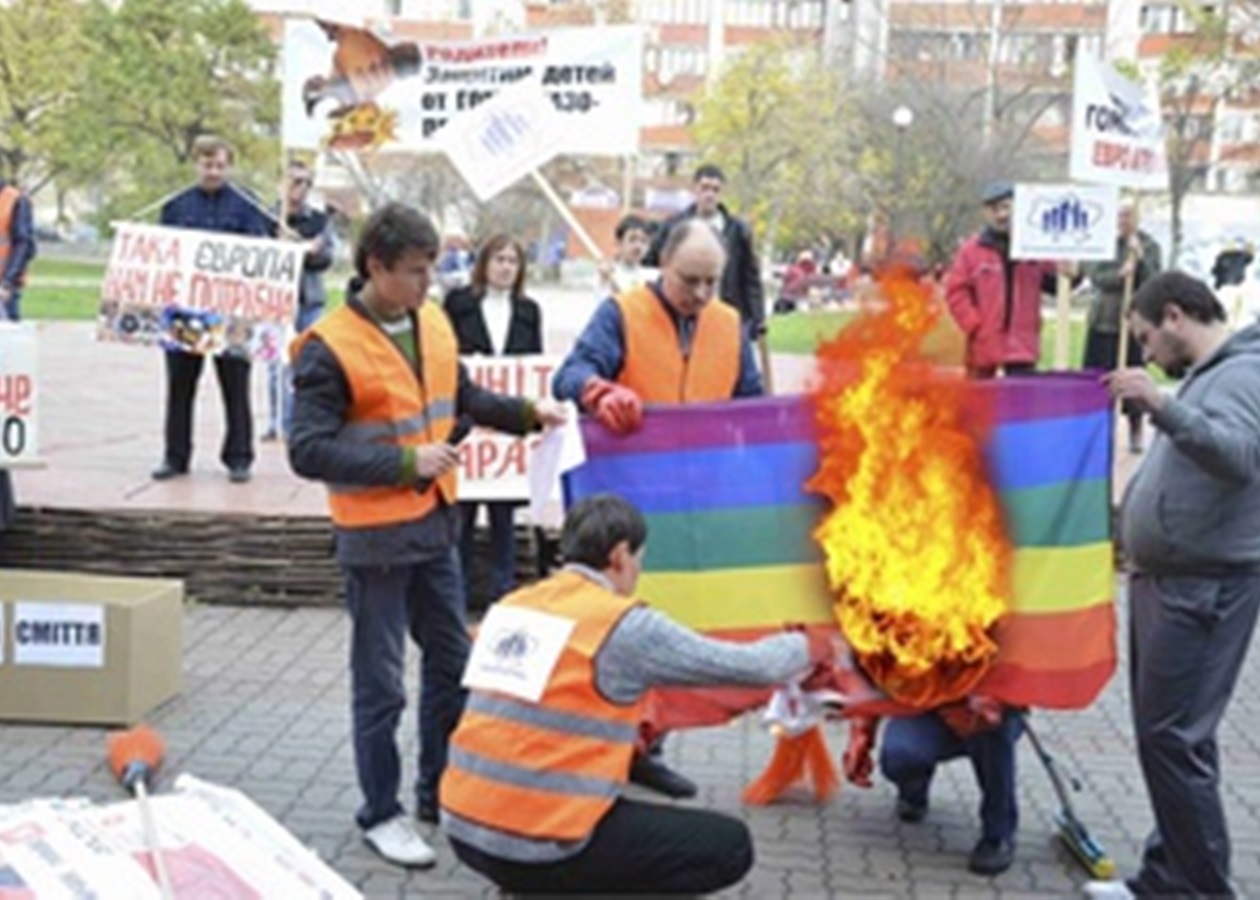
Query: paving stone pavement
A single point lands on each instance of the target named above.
(265, 710)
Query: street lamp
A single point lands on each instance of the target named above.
(902, 119)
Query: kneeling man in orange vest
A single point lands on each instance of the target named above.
(531, 796)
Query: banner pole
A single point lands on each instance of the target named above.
(1062, 321)
(567, 214)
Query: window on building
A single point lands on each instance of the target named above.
(1157, 19)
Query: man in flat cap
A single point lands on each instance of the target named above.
(996, 300)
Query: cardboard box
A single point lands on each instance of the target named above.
(88, 649)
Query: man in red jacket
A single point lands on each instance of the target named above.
(996, 300)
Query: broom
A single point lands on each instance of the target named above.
(134, 757)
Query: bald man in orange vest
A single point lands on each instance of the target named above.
(664, 342)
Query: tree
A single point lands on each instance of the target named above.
(42, 53)
(776, 121)
(159, 75)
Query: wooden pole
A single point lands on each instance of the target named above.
(1062, 321)
(567, 214)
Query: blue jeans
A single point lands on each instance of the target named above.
(502, 545)
(280, 377)
(425, 600)
(913, 747)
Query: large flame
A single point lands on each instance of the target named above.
(916, 549)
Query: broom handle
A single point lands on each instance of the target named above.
(149, 827)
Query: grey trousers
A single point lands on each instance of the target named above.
(1188, 638)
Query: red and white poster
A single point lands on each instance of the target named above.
(19, 395)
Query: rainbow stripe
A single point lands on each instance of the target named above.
(730, 549)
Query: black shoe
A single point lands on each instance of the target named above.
(238, 474)
(991, 857)
(168, 470)
(910, 811)
(651, 773)
(427, 811)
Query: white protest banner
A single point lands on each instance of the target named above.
(1117, 129)
(67, 635)
(346, 88)
(1064, 221)
(200, 291)
(19, 395)
(494, 466)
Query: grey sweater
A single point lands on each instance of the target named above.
(648, 649)
(1193, 508)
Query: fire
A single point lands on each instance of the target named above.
(916, 549)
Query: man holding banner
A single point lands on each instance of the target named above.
(212, 204)
(378, 390)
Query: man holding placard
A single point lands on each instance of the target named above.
(212, 204)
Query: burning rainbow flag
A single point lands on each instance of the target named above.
(731, 549)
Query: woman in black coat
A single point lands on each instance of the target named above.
(494, 317)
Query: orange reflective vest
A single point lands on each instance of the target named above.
(390, 404)
(9, 196)
(548, 770)
(655, 367)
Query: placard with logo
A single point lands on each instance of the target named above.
(1064, 221)
(516, 651)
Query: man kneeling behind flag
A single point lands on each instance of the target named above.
(558, 673)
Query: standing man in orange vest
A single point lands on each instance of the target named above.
(17, 247)
(663, 342)
(532, 796)
(378, 387)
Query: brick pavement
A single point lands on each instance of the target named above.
(265, 710)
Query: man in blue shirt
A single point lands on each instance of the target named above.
(213, 204)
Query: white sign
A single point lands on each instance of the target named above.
(560, 450)
(19, 395)
(495, 466)
(67, 635)
(1117, 129)
(516, 651)
(348, 88)
(1064, 221)
(501, 141)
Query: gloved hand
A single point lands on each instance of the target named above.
(615, 406)
(972, 715)
(822, 659)
(859, 760)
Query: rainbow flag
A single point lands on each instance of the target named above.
(730, 549)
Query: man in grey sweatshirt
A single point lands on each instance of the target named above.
(1190, 526)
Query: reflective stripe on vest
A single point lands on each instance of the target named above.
(9, 196)
(390, 405)
(654, 366)
(548, 770)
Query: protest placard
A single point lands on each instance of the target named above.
(1064, 221)
(346, 88)
(19, 395)
(494, 466)
(200, 291)
(1117, 129)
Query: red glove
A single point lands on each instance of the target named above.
(859, 761)
(972, 716)
(615, 406)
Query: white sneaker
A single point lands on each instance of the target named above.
(1108, 890)
(397, 842)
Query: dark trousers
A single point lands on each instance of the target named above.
(183, 371)
(12, 308)
(637, 848)
(502, 545)
(1188, 639)
(425, 600)
(914, 746)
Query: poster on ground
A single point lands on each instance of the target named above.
(200, 291)
(348, 88)
(494, 466)
(1117, 129)
(19, 395)
(1064, 221)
